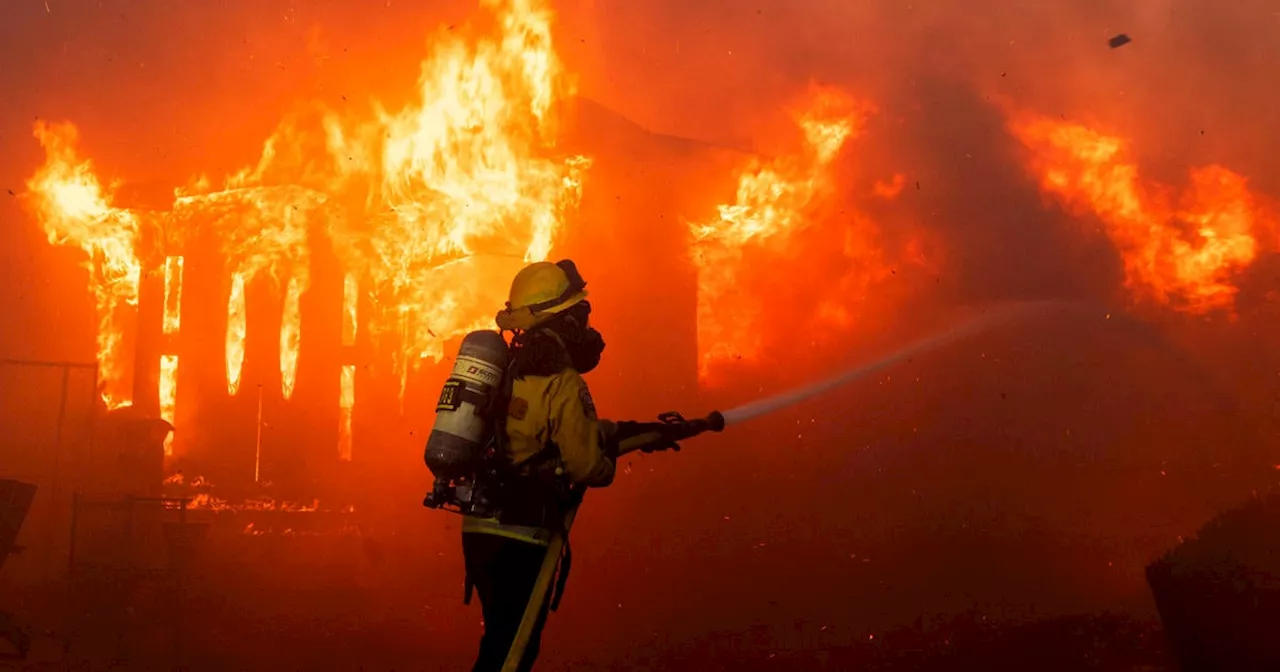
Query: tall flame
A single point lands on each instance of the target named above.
(290, 337)
(264, 233)
(171, 322)
(168, 395)
(1180, 250)
(347, 378)
(772, 206)
(346, 404)
(466, 182)
(74, 209)
(350, 306)
(172, 295)
(435, 206)
(236, 329)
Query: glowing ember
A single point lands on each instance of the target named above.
(772, 206)
(890, 190)
(346, 402)
(1182, 251)
(74, 209)
(290, 331)
(204, 500)
(235, 333)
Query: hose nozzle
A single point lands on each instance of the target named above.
(665, 433)
(680, 429)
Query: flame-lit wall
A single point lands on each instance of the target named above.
(629, 237)
(180, 368)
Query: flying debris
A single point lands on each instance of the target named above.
(1119, 41)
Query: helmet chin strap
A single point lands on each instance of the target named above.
(558, 338)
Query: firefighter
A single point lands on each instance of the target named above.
(556, 447)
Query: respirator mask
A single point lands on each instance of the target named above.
(583, 343)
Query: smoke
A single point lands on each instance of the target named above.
(688, 68)
(973, 326)
(1192, 88)
(1071, 424)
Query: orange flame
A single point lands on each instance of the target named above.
(346, 402)
(772, 206)
(350, 303)
(172, 321)
(892, 189)
(206, 501)
(264, 229)
(74, 209)
(466, 184)
(1179, 251)
(290, 336)
(168, 395)
(435, 206)
(235, 333)
(347, 380)
(172, 295)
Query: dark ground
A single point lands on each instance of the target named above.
(221, 637)
(1098, 642)
(863, 540)
(334, 602)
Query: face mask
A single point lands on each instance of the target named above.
(585, 347)
(583, 343)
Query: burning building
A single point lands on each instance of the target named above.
(292, 312)
(293, 320)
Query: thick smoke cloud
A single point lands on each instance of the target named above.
(1191, 89)
(1191, 60)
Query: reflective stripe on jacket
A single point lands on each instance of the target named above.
(533, 535)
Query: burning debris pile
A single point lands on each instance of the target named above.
(260, 514)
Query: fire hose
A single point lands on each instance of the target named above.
(672, 428)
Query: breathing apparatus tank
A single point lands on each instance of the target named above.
(465, 421)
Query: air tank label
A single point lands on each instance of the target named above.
(450, 396)
(477, 371)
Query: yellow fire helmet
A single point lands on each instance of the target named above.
(539, 292)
